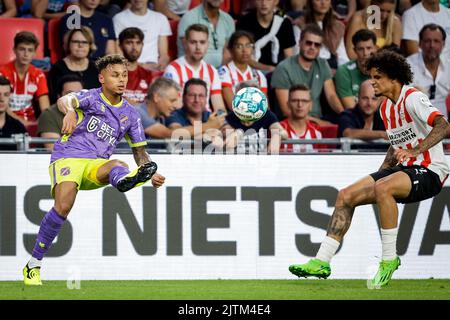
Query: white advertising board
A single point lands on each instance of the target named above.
(217, 217)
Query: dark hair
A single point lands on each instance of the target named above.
(194, 81)
(131, 33)
(5, 82)
(432, 27)
(298, 87)
(364, 35)
(328, 20)
(26, 37)
(237, 35)
(392, 64)
(70, 77)
(196, 27)
(105, 61)
(313, 29)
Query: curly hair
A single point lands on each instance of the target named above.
(392, 64)
(105, 61)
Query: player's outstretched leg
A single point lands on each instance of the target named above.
(122, 179)
(361, 192)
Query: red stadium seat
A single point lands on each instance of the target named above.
(236, 6)
(32, 128)
(225, 6)
(10, 27)
(329, 131)
(173, 50)
(54, 45)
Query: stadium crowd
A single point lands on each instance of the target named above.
(188, 57)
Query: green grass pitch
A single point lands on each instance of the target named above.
(301, 289)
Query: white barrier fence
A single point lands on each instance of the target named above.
(217, 217)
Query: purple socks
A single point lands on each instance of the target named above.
(50, 227)
(117, 173)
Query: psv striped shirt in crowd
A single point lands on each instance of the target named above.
(311, 132)
(180, 71)
(408, 123)
(230, 76)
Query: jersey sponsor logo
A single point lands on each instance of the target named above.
(103, 131)
(401, 136)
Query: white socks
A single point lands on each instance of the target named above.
(389, 243)
(34, 263)
(327, 249)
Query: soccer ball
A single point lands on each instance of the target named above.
(249, 104)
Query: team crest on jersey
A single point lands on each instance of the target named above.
(143, 84)
(103, 108)
(123, 118)
(65, 171)
(92, 124)
(32, 88)
(221, 71)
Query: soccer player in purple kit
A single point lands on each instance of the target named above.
(95, 122)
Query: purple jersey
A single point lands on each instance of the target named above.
(100, 127)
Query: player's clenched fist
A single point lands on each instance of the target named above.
(158, 180)
(404, 154)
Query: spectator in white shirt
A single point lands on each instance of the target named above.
(156, 29)
(431, 67)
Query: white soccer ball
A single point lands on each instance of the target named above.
(249, 104)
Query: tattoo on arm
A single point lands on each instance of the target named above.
(389, 160)
(140, 155)
(340, 221)
(438, 133)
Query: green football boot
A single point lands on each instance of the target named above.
(385, 272)
(32, 276)
(313, 268)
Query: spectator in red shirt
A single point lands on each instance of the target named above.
(131, 42)
(297, 124)
(28, 82)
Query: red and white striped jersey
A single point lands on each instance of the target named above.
(180, 71)
(311, 133)
(230, 76)
(408, 123)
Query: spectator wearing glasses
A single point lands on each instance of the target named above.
(220, 26)
(431, 68)
(79, 46)
(309, 69)
(241, 47)
(297, 125)
(101, 25)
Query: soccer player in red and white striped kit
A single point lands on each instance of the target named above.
(413, 170)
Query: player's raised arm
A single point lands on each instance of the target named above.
(67, 104)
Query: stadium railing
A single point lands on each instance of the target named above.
(26, 143)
